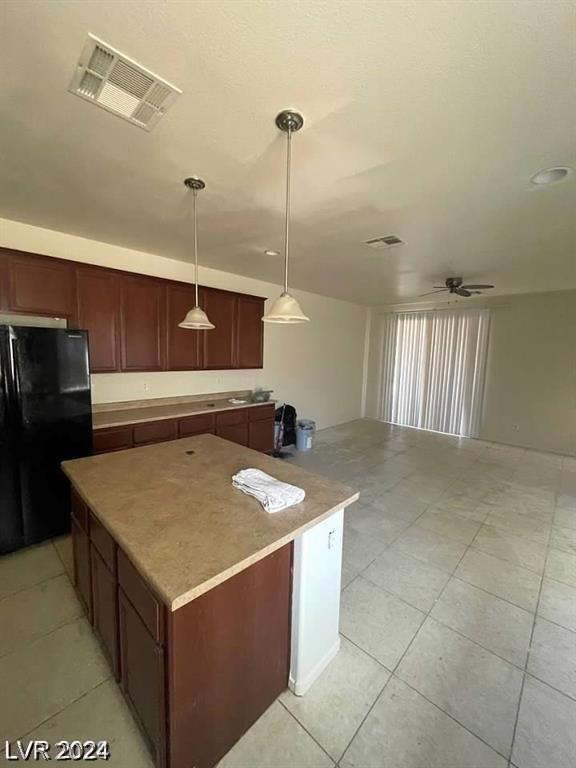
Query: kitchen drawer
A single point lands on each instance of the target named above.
(112, 439)
(103, 542)
(150, 610)
(261, 412)
(79, 510)
(196, 425)
(155, 432)
(228, 418)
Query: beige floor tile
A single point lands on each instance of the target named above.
(378, 622)
(553, 656)
(545, 735)
(528, 554)
(27, 567)
(564, 539)
(348, 575)
(449, 524)
(101, 714)
(472, 685)
(276, 740)
(565, 518)
(430, 547)
(63, 545)
(511, 582)
(495, 624)
(561, 566)
(43, 677)
(403, 730)
(414, 581)
(463, 506)
(333, 709)
(520, 525)
(359, 550)
(558, 603)
(401, 507)
(33, 612)
(374, 523)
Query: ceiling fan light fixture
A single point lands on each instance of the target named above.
(285, 309)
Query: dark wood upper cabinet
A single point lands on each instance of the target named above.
(99, 313)
(250, 332)
(133, 319)
(183, 346)
(42, 286)
(142, 308)
(220, 343)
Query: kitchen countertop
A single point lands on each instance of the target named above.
(122, 417)
(180, 521)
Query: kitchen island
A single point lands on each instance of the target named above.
(206, 605)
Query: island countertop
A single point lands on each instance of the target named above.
(173, 510)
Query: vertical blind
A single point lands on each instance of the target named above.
(434, 366)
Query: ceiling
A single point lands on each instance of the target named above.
(424, 119)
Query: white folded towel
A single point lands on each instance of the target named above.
(274, 495)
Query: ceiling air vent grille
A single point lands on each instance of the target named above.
(388, 241)
(114, 82)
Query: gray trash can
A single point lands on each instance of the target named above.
(305, 429)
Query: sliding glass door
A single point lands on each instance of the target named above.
(433, 369)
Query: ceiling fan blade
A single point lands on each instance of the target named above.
(478, 287)
(441, 290)
(462, 292)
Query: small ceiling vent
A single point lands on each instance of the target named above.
(388, 241)
(114, 82)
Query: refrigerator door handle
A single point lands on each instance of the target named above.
(15, 373)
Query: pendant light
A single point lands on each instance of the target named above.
(285, 309)
(196, 318)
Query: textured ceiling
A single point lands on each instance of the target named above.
(424, 119)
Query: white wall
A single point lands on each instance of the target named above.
(316, 366)
(530, 393)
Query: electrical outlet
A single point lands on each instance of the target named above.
(331, 539)
(145, 386)
(516, 427)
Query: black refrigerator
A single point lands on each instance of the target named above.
(45, 418)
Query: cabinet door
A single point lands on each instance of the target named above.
(142, 673)
(99, 314)
(4, 280)
(237, 433)
(142, 323)
(261, 435)
(42, 286)
(112, 439)
(202, 424)
(155, 432)
(220, 342)
(250, 332)
(82, 577)
(105, 608)
(183, 345)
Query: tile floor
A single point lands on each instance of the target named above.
(458, 621)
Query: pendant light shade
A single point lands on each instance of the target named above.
(285, 309)
(196, 319)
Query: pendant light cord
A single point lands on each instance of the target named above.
(195, 193)
(287, 223)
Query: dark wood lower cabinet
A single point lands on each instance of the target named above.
(253, 427)
(105, 608)
(237, 433)
(196, 678)
(82, 575)
(142, 676)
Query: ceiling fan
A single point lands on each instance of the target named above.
(455, 285)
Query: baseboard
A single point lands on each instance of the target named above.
(300, 687)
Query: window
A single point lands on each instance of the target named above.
(433, 369)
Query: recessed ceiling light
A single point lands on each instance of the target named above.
(550, 175)
(269, 252)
